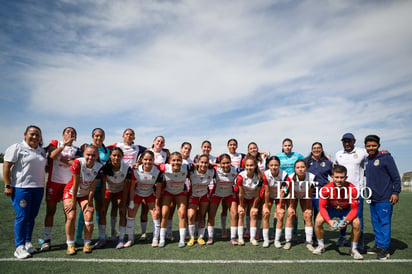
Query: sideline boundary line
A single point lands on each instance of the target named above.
(91, 260)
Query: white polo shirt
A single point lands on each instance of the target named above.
(28, 170)
(354, 162)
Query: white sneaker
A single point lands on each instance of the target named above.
(319, 250)
(143, 237)
(30, 248)
(21, 252)
(310, 247)
(155, 243)
(287, 246)
(265, 244)
(355, 254)
(128, 244)
(254, 242)
(45, 246)
(278, 244)
(120, 245)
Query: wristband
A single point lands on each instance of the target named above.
(8, 186)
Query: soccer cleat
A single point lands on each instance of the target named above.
(162, 244)
(143, 237)
(155, 243)
(254, 242)
(71, 250)
(355, 254)
(120, 245)
(191, 242)
(382, 254)
(30, 248)
(224, 234)
(200, 241)
(247, 234)
(287, 245)
(372, 250)
(257, 235)
(182, 244)
(21, 252)
(45, 246)
(265, 244)
(209, 241)
(128, 243)
(309, 246)
(240, 242)
(319, 250)
(99, 244)
(87, 248)
(278, 244)
(233, 242)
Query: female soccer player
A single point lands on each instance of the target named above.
(274, 184)
(24, 174)
(147, 184)
(115, 185)
(62, 154)
(80, 189)
(175, 176)
(200, 180)
(301, 189)
(226, 175)
(248, 184)
(206, 148)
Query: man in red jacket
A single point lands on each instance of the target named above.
(338, 199)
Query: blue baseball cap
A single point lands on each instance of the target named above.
(348, 136)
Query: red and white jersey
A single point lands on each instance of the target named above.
(59, 172)
(301, 188)
(225, 181)
(212, 159)
(187, 161)
(87, 176)
(146, 181)
(250, 186)
(262, 164)
(274, 183)
(160, 157)
(201, 182)
(130, 153)
(115, 183)
(236, 159)
(175, 181)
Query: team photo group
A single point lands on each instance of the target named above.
(108, 183)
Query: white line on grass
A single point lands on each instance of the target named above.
(203, 261)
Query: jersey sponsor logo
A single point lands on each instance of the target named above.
(376, 162)
(323, 164)
(355, 156)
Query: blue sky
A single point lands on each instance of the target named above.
(194, 70)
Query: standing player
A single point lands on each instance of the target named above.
(248, 184)
(200, 181)
(80, 189)
(384, 182)
(115, 186)
(353, 158)
(62, 154)
(301, 189)
(174, 193)
(287, 163)
(275, 182)
(206, 149)
(147, 182)
(338, 199)
(226, 175)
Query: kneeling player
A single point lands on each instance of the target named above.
(338, 199)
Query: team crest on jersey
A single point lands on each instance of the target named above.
(322, 164)
(355, 156)
(23, 203)
(376, 162)
(293, 157)
(115, 177)
(176, 176)
(94, 173)
(88, 174)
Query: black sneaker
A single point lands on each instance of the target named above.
(383, 254)
(372, 250)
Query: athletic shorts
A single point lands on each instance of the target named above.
(277, 201)
(110, 195)
(248, 201)
(228, 199)
(338, 213)
(67, 196)
(139, 199)
(198, 200)
(166, 193)
(54, 192)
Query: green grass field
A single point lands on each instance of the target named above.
(217, 258)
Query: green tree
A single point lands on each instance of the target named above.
(1, 157)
